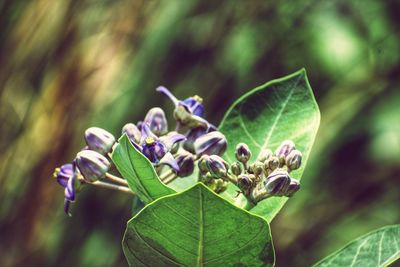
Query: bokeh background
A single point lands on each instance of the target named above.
(67, 65)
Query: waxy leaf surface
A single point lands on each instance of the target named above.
(197, 228)
(375, 249)
(264, 117)
(138, 171)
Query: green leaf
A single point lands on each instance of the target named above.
(138, 172)
(378, 248)
(264, 117)
(197, 228)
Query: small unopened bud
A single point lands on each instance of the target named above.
(283, 151)
(236, 168)
(264, 155)
(185, 162)
(133, 132)
(242, 152)
(258, 168)
(157, 122)
(99, 140)
(213, 143)
(244, 183)
(293, 187)
(92, 165)
(203, 165)
(277, 182)
(271, 164)
(293, 160)
(217, 166)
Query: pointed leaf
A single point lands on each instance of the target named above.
(138, 172)
(377, 248)
(197, 228)
(264, 117)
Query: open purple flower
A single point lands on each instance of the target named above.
(67, 178)
(187, 112)
(157, 149)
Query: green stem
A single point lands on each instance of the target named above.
(119, 188)
(116, 179)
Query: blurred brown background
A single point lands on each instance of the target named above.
(68, 65)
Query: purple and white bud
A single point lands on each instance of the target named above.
(244, 183)
(213, 143)
(277, 182)
(217, 166)
(236, 168)
(294, 186)
(99, 140)
(92, 165)
(293, 160)
(192, 135)
(133, 132)
(185, 162)
(157, 122)
(242, 153)
(283, 150)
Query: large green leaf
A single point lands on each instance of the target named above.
(197, 228)
(378, 248)
(138, 171)
(264, 117)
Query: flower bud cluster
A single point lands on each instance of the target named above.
(268, 175)
(89, 165)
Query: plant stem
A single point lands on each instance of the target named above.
(168, 177)
(119, 188)
(116, 179)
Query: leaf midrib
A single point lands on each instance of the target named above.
(279, 114)
(201, 230)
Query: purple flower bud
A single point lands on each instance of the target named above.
(277, 182)
(156, 120)
(244, 182)
(236, 168)
(92, 165)
(293, 160)
(217, 166)
(293, 187)
(99, 140)
(185, 162)
(192, 135)
(64, 173)
(133, 132)
(213, 143)
(242, 153)
(283, 150)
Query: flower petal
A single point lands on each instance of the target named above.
(166, 92)
(66, 207)
(171, 138)
(146, 132)
(169, 160)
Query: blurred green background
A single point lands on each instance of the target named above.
(68, 65)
